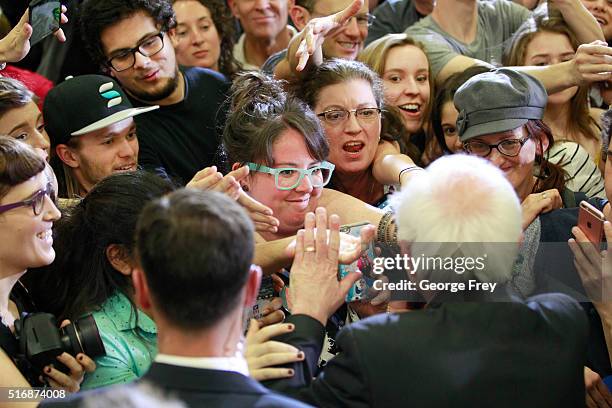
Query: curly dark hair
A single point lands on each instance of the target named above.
(96, 16)
(226, 27)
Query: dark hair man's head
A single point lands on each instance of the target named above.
(195, 250)
(129, 39)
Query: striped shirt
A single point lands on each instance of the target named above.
(583, 174)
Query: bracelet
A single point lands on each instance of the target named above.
(382, 232)
(406, 170)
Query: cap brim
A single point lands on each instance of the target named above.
(488, 128)
(114, 118)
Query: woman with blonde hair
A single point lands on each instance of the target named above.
(543, 41)
(403, 66)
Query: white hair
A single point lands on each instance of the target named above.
(461, 199)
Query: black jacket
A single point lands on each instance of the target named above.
(196, 388)
(507, 354)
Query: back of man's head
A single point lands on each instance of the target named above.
(462, 199)
(195, 249)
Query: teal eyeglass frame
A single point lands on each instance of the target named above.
(276, 171)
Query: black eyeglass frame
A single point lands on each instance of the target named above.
(522, 141)
(136, 49)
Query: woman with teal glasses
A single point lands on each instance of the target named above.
(281, 141)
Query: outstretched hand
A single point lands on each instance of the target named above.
(592, 63)
(310, 40)
(314, 287)
(210, 179)
(351, 247)
(264, 356)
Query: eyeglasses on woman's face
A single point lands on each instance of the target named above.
(288, 178)
(37, 201)
(507, 147)
(339, 116)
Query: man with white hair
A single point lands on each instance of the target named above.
(474, 345)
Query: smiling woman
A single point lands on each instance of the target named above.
(27, 213)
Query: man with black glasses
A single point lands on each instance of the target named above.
(129, 39)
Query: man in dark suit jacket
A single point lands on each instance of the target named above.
(195, 279)
(470, 346)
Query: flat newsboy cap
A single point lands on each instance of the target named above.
(498, 101)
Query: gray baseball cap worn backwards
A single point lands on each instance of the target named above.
(498, 101)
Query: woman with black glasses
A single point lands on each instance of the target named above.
(500, 119)
(27, 214)
(347, 97)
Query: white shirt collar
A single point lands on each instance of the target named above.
(236, 364)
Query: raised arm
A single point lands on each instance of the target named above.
(582, 23)
(306, 47)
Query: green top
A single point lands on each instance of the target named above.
(130, 347)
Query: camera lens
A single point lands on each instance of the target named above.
(83, 336)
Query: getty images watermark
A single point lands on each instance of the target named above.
(436, 267)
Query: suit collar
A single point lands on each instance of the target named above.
(197, 379)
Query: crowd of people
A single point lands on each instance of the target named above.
(297, 203)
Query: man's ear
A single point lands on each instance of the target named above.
(119, 258)
(231, 4)
(300, 17)
(252, 286)
(67, 155)
(141, 290)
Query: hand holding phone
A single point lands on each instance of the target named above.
(591, 223)
(45, 18)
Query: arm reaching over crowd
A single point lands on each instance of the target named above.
(306, 47)
(210, 179)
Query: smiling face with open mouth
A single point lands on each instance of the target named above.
(406, 82)
(352, 142)
(602, 11)
(27, 238)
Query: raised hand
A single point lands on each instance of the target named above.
(314, 287)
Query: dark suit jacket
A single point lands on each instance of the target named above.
(196, 388)
(512, 354)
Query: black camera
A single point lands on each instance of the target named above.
(41, 341)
